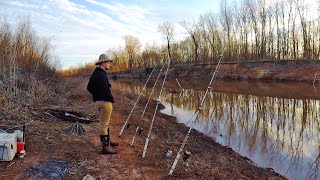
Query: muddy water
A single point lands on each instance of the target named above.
(276, 125)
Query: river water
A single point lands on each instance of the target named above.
(275, 124)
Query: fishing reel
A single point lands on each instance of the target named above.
(186, 155)
(127, 126)
(139, 130)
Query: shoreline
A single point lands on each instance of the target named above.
(284, 71)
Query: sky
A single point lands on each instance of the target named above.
(81, 30)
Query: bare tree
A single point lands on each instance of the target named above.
(185, 50)
(203, 42)
(210, 26)
(277, 14)
(227, 24)
(289, 22)
(301, 8)
(193, 30)
(132, 45)
(167, 30)
(252, 8)
(151, 55)
(120, 56)
(242, 20)
(263, 18)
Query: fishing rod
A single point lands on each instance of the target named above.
(155, 111)
(182, 90)
(174, 164)
(179, 85)
(138, 130)
(126, 122)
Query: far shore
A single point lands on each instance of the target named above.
(300, 70)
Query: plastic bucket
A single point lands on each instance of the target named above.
(20, 150)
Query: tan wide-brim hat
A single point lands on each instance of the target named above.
(103, 58)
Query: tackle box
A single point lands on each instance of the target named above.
(8, 146)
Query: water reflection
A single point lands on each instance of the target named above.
(274, 124)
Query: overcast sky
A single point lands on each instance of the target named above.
(81, 30)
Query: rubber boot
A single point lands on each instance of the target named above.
(108, 150)
(112, 143)
(105, 139)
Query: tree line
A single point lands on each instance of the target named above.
(248, 30)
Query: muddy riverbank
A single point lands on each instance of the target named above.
(302, 70)
(49, 144)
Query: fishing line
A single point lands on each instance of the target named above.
(155, 111)
(144, 87)
(138, 130)
(193, 122)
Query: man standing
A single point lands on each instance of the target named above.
(99, 87)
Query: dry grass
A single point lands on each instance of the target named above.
(81, 69)
(27, 75)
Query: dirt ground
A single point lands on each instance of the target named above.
(52, 153)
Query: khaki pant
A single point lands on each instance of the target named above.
(105, 110)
